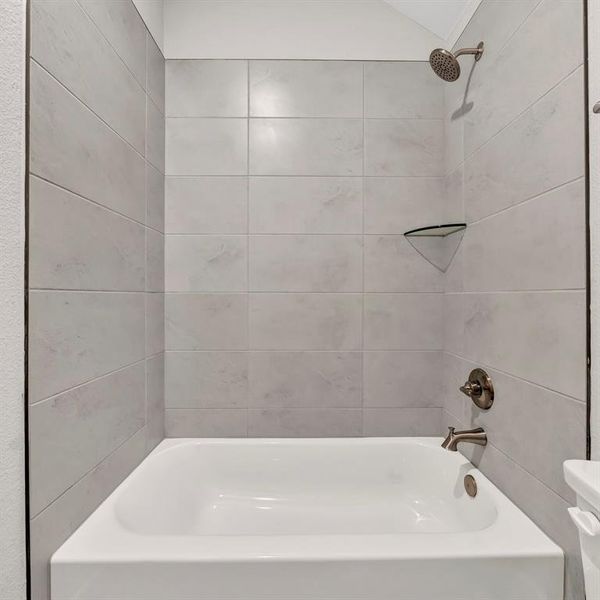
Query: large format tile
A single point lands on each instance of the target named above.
(155, 74)
(207, 88)
(306, 88)
(403, 90)
(393, 265)
(305, 205)
(305, 321)
(406, 147)
(155, 400)
(155, 198)
(73, 432)
(206, 204)
(76, 336)
(155, 261)
(206, 321)
(52, 527)
(122, 26)
(306, 146)
(67, 43)
(70, 146)
(206, 422)
(206, 263)
(539, 244)
(305, 263)
(522, 423)
(394, 422)
(304, 422)
(206, 379)
(155, 136)
(402, 379)
(546, 147)
(206, 146)
(75, 244)
(403, 321)
(539, 336)
(398, 204)
(556, 24)
(155, 323)
(305, 379)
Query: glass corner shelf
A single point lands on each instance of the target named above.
(436, 230)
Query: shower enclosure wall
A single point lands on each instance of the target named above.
(294, 305)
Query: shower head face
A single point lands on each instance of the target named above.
(444, 64)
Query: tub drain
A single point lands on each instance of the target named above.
(471, 485)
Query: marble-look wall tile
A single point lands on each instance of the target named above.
(306, 88)
(51, 528)
(206, 204)
(402, 90)
(95, 418)
(304, 422)
(155, 261)
(155, 136)
(518, 249)
(206, 422)
(398, 204)
(206, 321)
(77, 336)
(68, 45)
(155, 400)
(403, 321)
(121, 24)
(553, 23)
(155, 323)
(547, 144)
(392, 264)
(207, 379)
(75, 244)
(539, 336)
(305, 321)
(206, 146)
(206, 263)
(306, 146)
(155, 74)
(207, 88)
(305, 379)
(397, 379)
(304, 263)
(71, 147)
(404, 147)
(155, 198)
(385, 422)
(305, 205)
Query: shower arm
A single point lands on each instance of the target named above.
(476, 51)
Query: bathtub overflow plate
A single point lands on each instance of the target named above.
(471, 485)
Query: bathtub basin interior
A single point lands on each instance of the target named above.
(313, 488)
(320, 519)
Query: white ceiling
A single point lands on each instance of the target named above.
(446, 18)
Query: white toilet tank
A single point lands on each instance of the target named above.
(584, 477)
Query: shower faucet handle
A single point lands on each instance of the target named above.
(479, 388)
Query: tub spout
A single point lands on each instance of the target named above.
(471, 436)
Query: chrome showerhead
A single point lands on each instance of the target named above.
(445, 64)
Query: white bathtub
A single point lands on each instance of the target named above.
(343, 519)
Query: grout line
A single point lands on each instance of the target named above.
(89, 381)
(88, 472)
(295, 118)
(363, 307)
(95, 203)
(528, 199)
(513, 376)
(248, 282)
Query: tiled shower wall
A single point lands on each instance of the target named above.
(515, 299)
(294, 304)
(96, 305)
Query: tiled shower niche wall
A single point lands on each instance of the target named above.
(294, 304)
